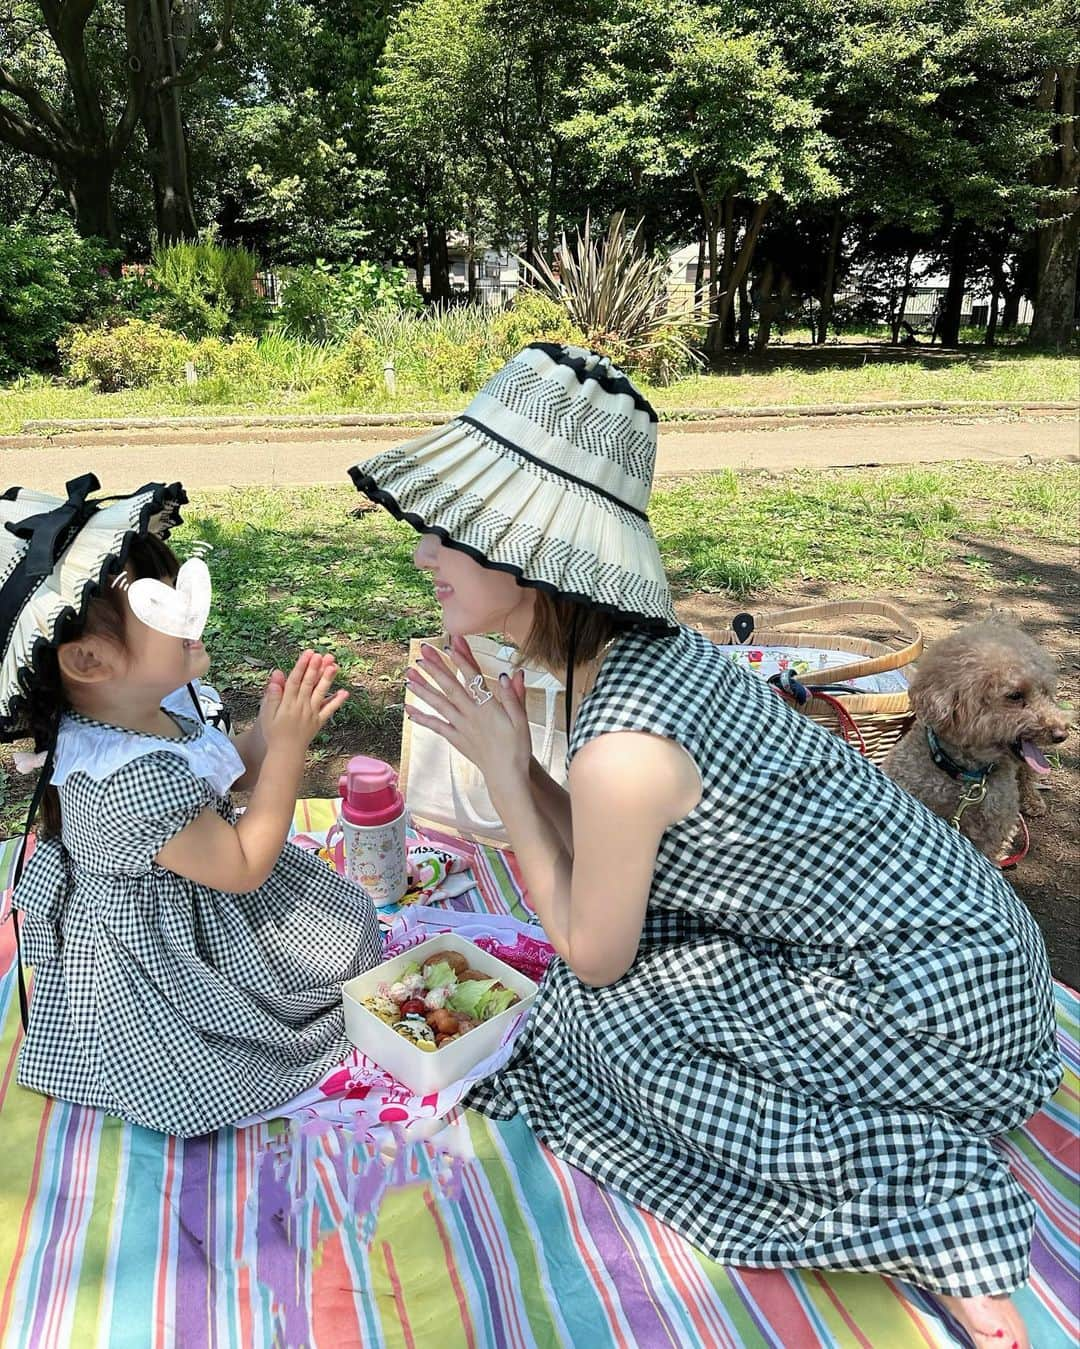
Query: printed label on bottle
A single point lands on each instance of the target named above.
(375, 859)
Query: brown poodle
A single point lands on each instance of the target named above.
(984, 704)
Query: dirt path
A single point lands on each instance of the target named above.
(237, 456)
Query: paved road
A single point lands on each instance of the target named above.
(238, 456)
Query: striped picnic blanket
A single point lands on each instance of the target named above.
(117, 1237)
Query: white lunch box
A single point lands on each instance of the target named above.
(431, 1070)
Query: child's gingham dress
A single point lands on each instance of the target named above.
(836, 1004)
(159, 1000)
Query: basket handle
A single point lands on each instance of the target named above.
(889, 660)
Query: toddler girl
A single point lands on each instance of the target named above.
(187, 960)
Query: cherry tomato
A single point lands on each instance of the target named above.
(413, 1005)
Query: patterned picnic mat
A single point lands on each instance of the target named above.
(117, 1237)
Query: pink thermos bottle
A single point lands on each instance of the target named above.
(372, 821)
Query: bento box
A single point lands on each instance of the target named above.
(431, 1070)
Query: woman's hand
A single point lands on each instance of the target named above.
(295, 709)
(493, 732)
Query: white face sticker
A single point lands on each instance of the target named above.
(181, 611)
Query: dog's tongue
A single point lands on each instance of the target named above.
(1033, 756)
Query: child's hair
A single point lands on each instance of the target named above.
(106, 615)
(560, 625)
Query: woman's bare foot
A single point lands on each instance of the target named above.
(992, 1322)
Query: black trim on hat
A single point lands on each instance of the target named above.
(551, 468)
(617, 384)
(19, 587)
(365, 483)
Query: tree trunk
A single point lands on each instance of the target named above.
(741, 263)
(552, 214)
(745, 316)
(1010, 310)
(828, 287)
(897, 317)
(438, 262)
(712, 230)
(89, 191)
(470, 272)
(164, 127)
(1054, 321)
(418, 266)
(720, 291)
(699, 277)
(765, 309)
(992, 317)
(948, 330)
(773, 301)
(167, 142)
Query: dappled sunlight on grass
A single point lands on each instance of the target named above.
(293, 568)
(722, 532)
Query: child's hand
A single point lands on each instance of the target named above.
(295, 709)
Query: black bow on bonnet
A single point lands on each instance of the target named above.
(50, 531)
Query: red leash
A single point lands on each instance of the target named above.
(1022, 852)
(849, 731)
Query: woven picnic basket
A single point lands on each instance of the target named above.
(874, 722)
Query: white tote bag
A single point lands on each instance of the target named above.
(445, 790)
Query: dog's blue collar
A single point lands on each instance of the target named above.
(950, 766)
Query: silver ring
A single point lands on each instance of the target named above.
(477, 692)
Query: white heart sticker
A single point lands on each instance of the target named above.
(181, 611)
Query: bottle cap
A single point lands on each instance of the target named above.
(368, 791)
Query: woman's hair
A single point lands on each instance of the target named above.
(561, 627)
(106, 616)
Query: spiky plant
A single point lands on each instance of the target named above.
(618, 294)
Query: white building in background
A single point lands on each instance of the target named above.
(928, 294)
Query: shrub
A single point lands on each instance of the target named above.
(450, 350)
(48, 281)
(137, 296)
(207, 290)
(287, 363)
(324, 303)
(533, 317)
(454, 366)
(233, 363)
(357, 369)
(668, 356)
(128, 356)
(618, 294)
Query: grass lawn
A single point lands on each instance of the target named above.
(799, 375)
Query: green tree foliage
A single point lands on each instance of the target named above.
(705, 96)
(48, 281)
(789, 137)
(77, 77)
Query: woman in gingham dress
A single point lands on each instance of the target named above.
(793, 1008)
(187, 961)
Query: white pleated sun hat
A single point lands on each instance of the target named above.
(546, 475)
(55, 556)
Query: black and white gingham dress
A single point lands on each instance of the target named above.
(835, 1006)
(170, 1004)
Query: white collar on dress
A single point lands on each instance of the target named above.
(99, 750)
